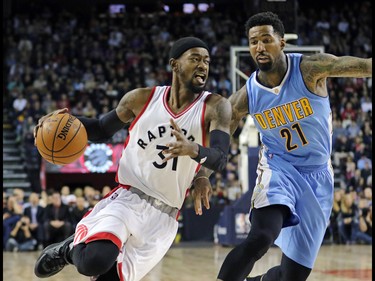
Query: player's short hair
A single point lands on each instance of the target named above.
(183, 44)
(266, 18)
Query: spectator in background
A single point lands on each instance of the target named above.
(106, 189)
(369, 180)
(19, 104)
(78, 192)
(364, 163)
(348, 112)
(333, 222)
(12, 212)
(63, 101)
(347, 219)
(90, 196)
(19, 196)
(365, 225)
(40, 83)
(365, 198)
(35, 213)
(350, 168)
(353, 129)
(233, 187)
(366, 104)
(66, 196)
(78, 211)
(20, 237)
(57, 225)
(366, 172)
(44, 199)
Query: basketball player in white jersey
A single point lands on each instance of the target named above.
(174, 131)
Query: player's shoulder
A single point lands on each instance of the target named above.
(137, 94)
(213, 98)
(141, 92)
(135, 98)
(217, 103)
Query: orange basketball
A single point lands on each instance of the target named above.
(61, 139)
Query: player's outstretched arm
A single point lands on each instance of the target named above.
(326, 65)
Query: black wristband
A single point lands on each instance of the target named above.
(214, 157)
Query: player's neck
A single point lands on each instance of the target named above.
(179, 99)
(274, 76)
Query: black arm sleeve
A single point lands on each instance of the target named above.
(101, 130)
(215, 157)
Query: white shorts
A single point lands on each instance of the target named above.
(142, 233)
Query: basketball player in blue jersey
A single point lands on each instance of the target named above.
(174, 131)
(292, 198)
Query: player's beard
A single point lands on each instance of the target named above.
(265, 66)
(195, 88)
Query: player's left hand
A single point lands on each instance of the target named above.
(182, 146)
(201, 192)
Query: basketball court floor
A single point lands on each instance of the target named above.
(201, 261)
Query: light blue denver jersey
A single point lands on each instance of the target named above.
(293, 122)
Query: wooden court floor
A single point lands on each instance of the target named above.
(201, 261)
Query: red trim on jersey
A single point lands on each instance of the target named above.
(133, 124)
(111, 192)
(105, 236)
(118, 166)
(143, 109)
(125, 186)
(165, 102)
(204, 136)
(87, 213)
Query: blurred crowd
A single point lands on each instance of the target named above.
(33, 222)
(53, 61)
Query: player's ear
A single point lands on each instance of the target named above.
(174, 64)
(282, 43)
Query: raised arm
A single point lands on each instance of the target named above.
(327, 65)
(318, 67)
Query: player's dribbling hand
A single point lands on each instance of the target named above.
(201, 193)
(182, 146)
(41, 120)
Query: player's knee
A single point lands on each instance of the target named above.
(261, 240)
(261, 237)
(97, 258)
(95, 265)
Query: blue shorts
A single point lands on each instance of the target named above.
(308, 192)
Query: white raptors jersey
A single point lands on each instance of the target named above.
(141, 163)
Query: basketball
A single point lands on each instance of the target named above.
(61, 139)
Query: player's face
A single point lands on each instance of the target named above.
(265, 46)
(194, 66)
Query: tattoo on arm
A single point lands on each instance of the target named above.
(240, 108)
